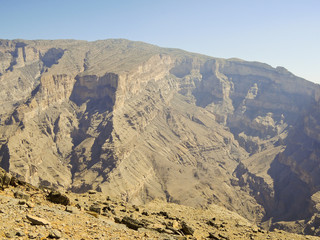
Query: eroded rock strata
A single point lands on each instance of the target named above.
(141, 122)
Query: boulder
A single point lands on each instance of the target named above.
(5, 178)
(59, 198)
(21, 195)
(96, 208)
(214, 236)
(131, 223)
(37, 221)
(55, 234)
(186, 229)
(30, 204)
(72, 209)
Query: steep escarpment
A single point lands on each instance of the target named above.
(298, 166)
(141, 122)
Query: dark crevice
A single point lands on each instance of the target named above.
(99, 92)
(99, 101)
(52, 56)
(20, 44)
(292, 196)
(85, 62)
(258, 188)
(96, 150)
(13, 60)
(107, 161)
(5, 157)
(203, 98)
(94, 107)
(35, 91)
(24, 54)
(15, 55)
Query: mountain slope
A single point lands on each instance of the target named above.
(141, 122)
(28, 212)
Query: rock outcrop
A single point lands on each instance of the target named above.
(38, 218)
(141, 122)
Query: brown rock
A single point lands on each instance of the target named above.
(30, 204)
(22, 202)
(59, 198)
(56, 234)
(131, 223)
(21, 195)
(72, 209)
(37, 221)
(214, 236)
(96, 208)
(186, 229)
(94, 214)
(5, 178)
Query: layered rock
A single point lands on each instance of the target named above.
(140, 122)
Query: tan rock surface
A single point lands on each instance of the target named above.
(119, 220)
(140, 122)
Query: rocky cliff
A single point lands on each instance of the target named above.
(141, 122)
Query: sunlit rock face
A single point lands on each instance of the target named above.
(141, 122)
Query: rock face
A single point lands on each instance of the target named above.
(142, 122)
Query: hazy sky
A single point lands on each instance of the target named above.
(278, 32)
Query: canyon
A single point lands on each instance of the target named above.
(140, 122)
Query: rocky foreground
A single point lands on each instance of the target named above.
(28, 212)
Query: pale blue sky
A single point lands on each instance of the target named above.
(278, 32)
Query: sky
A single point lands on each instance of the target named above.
(277, 32)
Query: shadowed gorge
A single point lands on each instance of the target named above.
(140, 122)
(52, 56)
